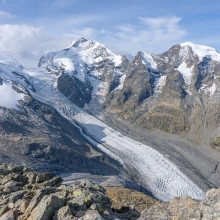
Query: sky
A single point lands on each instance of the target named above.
(30, 28)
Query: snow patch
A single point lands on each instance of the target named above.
(186, 72)
(159, 84)
(209, 90)
(189, 92)
(203, 51)
(65, 63)
(121, 83)
(148, 60)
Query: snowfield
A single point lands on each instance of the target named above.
(149, 167)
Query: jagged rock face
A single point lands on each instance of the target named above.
(137, 87)
(78, 92)
(91, 69)
(176, 92)
(180, 91)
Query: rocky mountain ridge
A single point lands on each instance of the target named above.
(167, 92)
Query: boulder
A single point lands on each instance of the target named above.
(47, 207)
(91, 215)
(63, 213)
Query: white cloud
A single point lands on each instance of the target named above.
(5, 14)
(28, 43)
(87, 32)
(24, 42)
(125, 28)
(154, 35)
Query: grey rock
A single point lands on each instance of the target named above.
(47, 207)
(10, 215)
(63, 213)
(91, 215)
(36, 199)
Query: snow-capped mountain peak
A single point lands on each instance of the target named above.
(85, 52)
(202, 51)
(90, 62)
(77, 42)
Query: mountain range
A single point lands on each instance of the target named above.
(151, 123)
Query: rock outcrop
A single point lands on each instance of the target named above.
(28, 195)
(182, 208)
(175, 92)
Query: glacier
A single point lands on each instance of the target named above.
(151, 169)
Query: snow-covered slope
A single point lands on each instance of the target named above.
(79, 58)
(202, 51)
(149, 61)
(11, 69)
(12, 82)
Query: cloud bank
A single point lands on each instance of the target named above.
(29, 43)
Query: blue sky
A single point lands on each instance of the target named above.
(31, 28)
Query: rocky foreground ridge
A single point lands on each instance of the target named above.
(28, 195)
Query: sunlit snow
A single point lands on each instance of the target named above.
(209, 90)
(159, 84)
(149, 61)
(203, 51)
(186, 72)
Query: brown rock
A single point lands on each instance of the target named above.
(24, 206)
(3, 209)
(183, 208)
(122, 197)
